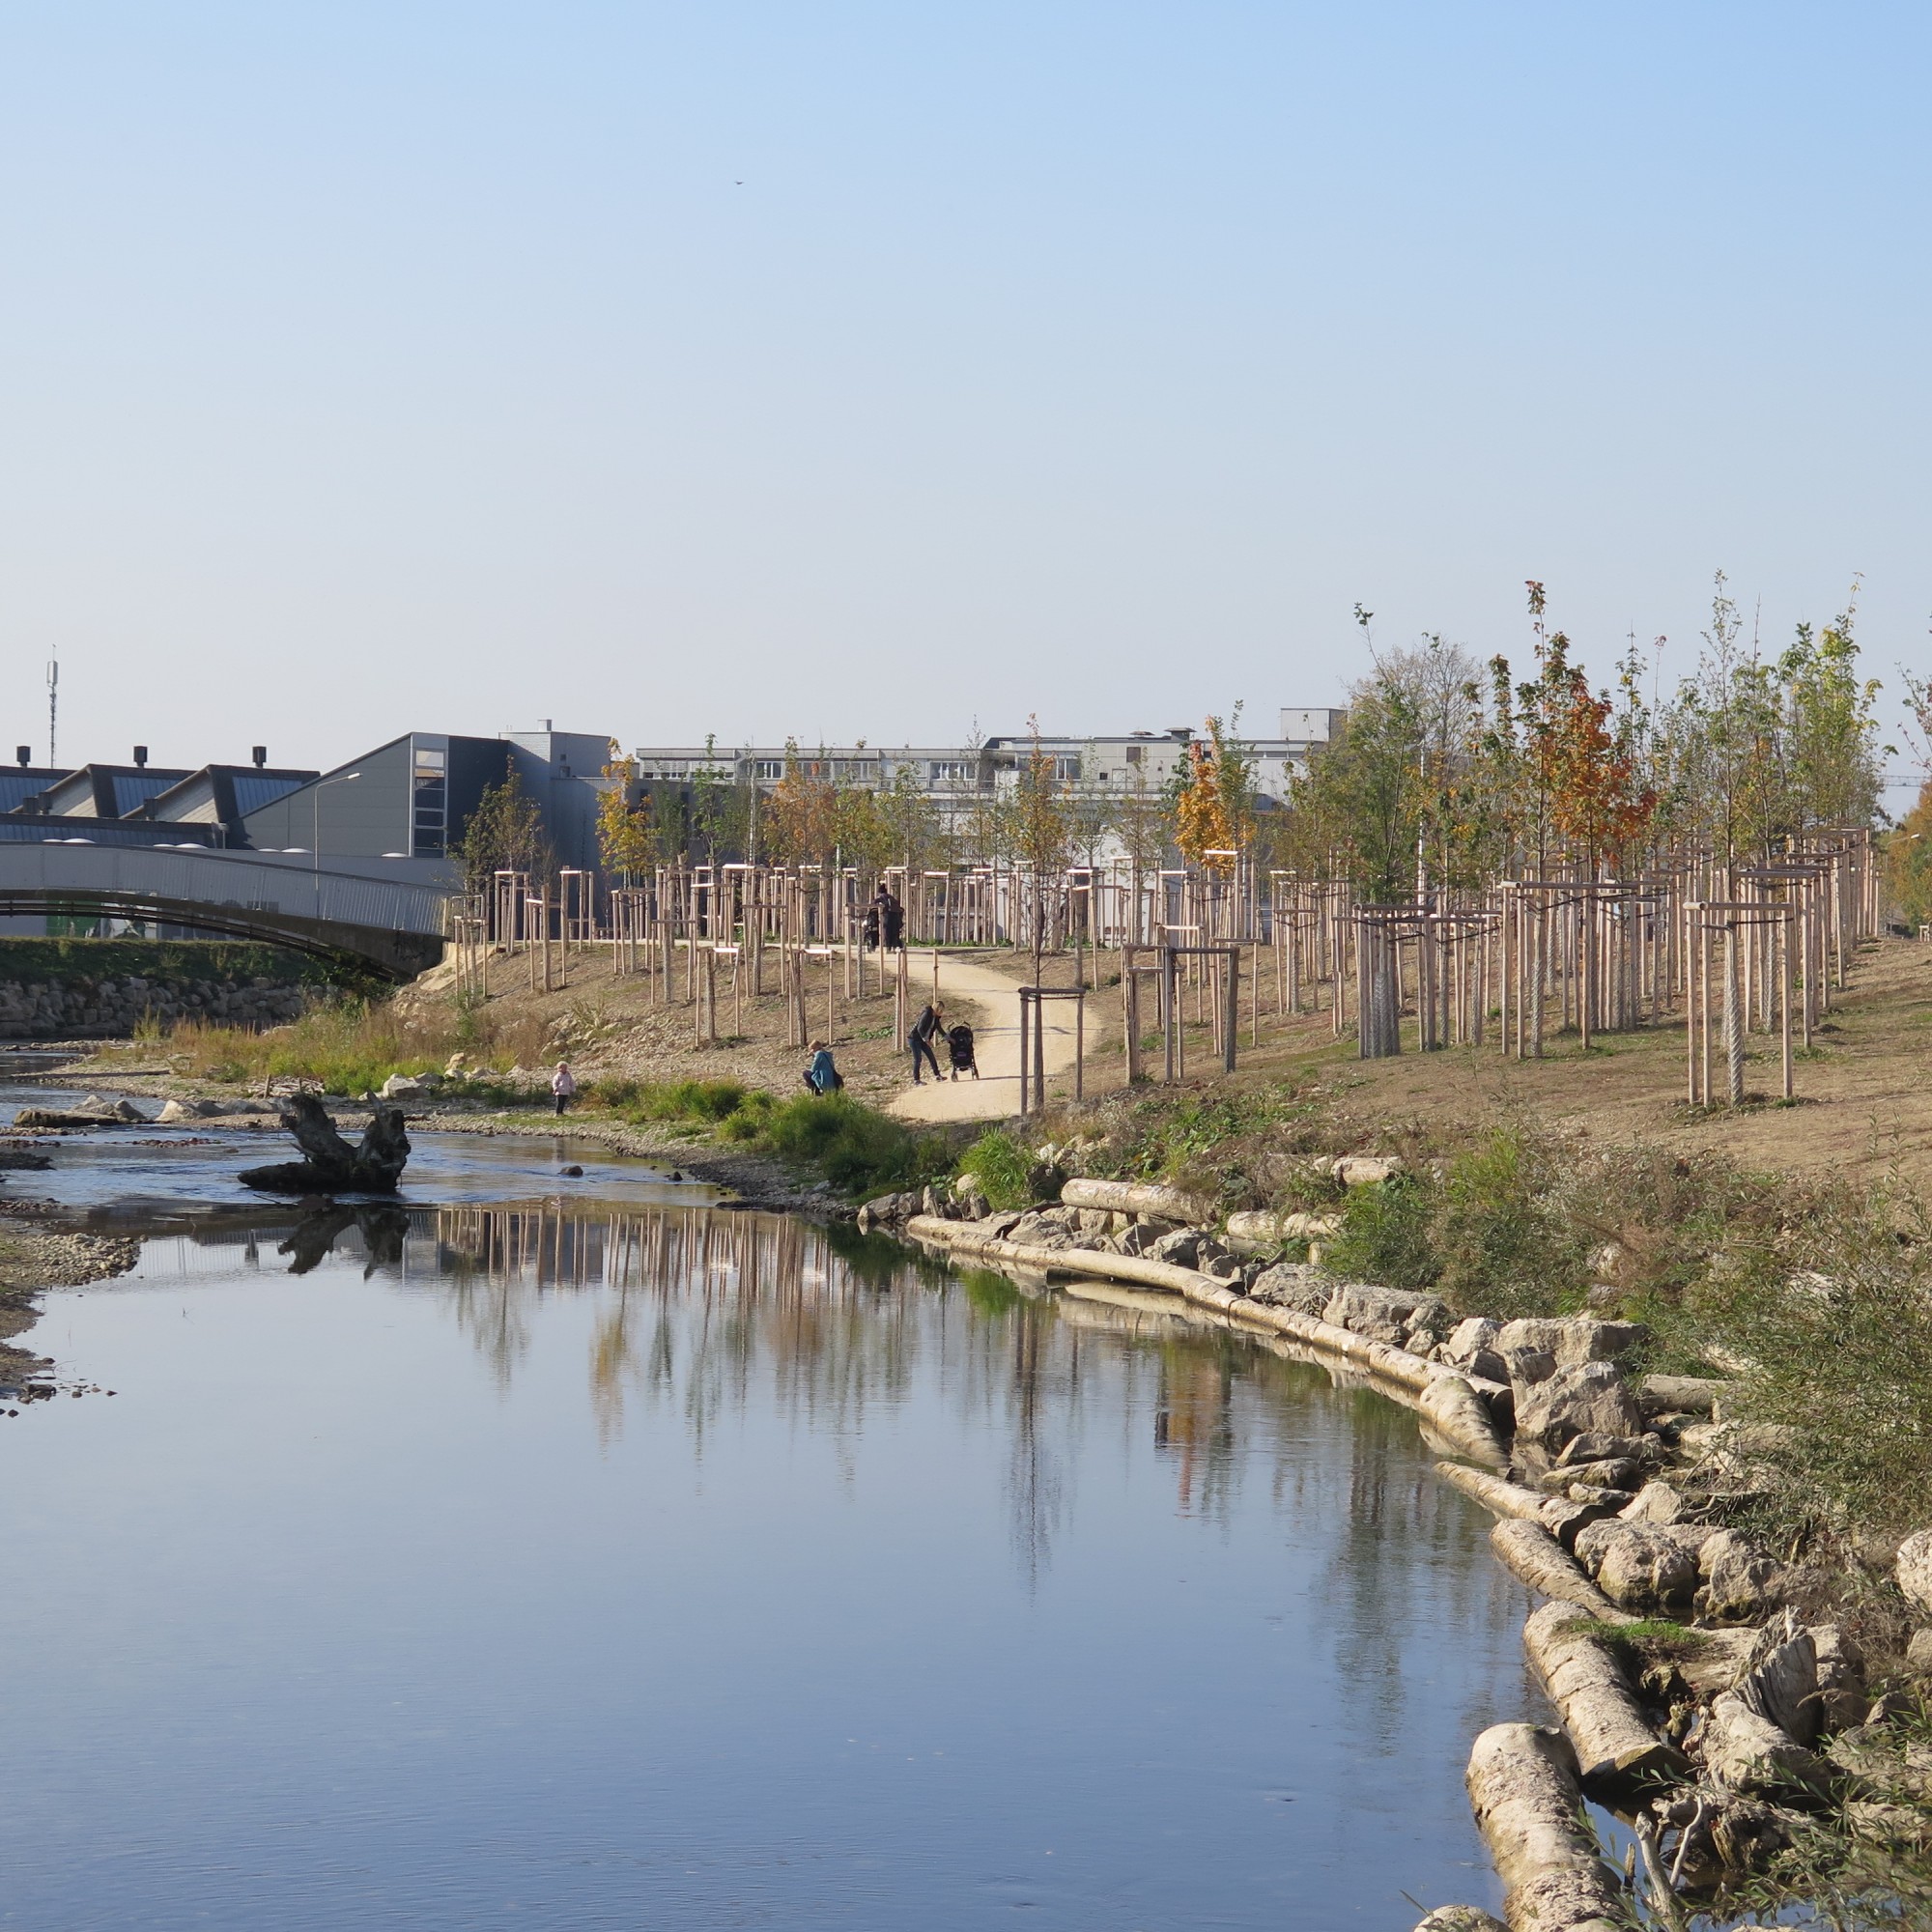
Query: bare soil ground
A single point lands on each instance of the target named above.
(1863, 1102)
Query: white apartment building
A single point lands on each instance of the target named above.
(957, 778)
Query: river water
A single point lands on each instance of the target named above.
(571, 1554)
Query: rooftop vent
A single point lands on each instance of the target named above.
(261, 755)
(25, 753)
(141, 755)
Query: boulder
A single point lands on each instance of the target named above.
(1736, 1576)
(1655, 1503)
(971, 1199)
(1913, 1569)
(1781, 1683)
(1187, 1247)
(1919, 1654)
(1043, 1228)
(172, 1115)
(1566, 1518)
(1591, 1398)
(1644, 1451)
(1638, 1565)
(1574, 1339)
(402, 1087)
(1385, 1314)
(1293, 1285)
(126, 1110)
(1746, 1754)
(889, 1211)
(1615, 1473)
(1471, 1348)
(1460, 1918)
(1841, 1694)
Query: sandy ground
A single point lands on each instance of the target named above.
(990, 1003)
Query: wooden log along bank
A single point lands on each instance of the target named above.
(1526, 1783)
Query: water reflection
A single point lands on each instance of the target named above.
(989, 1597)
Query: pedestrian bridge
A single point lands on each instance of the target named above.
(346, 911)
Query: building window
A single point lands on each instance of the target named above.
(1066, 770)
(429, 822)
(769, 768)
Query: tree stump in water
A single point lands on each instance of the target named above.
(332, 1166)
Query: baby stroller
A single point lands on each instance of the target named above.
(959, 1050)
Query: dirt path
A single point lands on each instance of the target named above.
(990, 1002)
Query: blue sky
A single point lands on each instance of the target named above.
(854, 370)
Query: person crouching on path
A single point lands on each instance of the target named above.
(821, 1076)
(920, 1037)
(563, 1085)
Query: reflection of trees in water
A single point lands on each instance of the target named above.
(694, 1308)
(698, 1311)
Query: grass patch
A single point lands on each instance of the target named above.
(1000, 1163)
(860, 1151)
(706, 1102)
(1389, 1234)
(351, 1044)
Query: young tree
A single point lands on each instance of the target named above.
(626, 837)
(912, 830)
(1214, 813)
(1042, 830)
(1362, 800)
(801, 816)
(506, 834)
(1143, 819)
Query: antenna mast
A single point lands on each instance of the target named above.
(53, 705)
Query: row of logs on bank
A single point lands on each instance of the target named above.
(1610, 1493)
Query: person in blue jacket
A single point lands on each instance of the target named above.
(821, 1076)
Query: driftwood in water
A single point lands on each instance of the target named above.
(1585, 1681)
(1522, 1784)
(1494, 1492)
(1543, 1563)
(333, 1166)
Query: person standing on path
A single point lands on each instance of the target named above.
(920, 1037)
(563, 1085)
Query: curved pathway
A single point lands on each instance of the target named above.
(990, 1003)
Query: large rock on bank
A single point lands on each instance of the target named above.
(1589, 1398)
(1915, 1570)
(1638, 1565)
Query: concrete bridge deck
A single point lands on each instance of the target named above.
(372, 913)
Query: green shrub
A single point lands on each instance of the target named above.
(1001, 1164)
(1505, 1251)
(1387, 1235)
(705, 1101)
(859, 1150)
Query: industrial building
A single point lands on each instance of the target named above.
(397, 812)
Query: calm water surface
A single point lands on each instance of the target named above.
(532, 1563)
